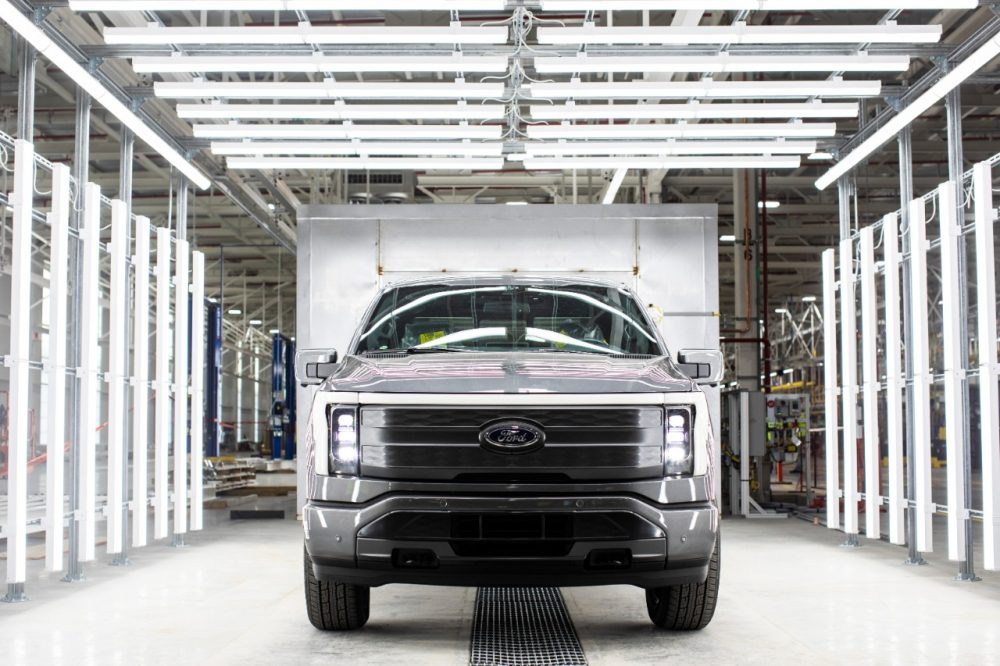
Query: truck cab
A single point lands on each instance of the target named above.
(510, 431)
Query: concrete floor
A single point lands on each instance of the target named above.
(789, 595)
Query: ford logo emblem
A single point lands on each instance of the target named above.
(511, 436)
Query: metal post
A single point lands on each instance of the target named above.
(81, 168)
(26, 59)
(953, 107)
(844, 210)
(181, 381)
(125, 159)
(905, 196)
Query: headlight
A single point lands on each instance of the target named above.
(677, 451)
(344, 449)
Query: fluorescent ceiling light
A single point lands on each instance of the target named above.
(283, 5)
(705, 162)
(516, 203)
(820, 155)
(327, 89)
(274, 331)
(235, 312)
(769, 204)
(46, 47)
(341, 111)
(692, 111)
(305, 33)
(711, 89)
(727, 238)
(752, 5)
(320, 63)
(436, 148)
(669, 148)
(934, 94)
(683, 130)
(741, 33)
(370, 164)
(348, 131)
(808, 299)
(780, 311)
(715, 63)
(255, 322)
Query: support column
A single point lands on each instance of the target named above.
(905, 196)
(953, 108)
(81, 168)
(182, 206)
(844, 211)
(26, 59)
(180, 367)
(745, 312)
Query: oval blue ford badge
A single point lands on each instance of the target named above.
(511, 436)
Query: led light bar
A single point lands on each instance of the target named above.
(751, 5)
(321, 63)
(954, 370)
(90, 365)
(683, 131)
(710, 89)
(831, 430)
(849, 383)
(870, 380)
(891, 128)
(305, 33)
(435, 148)
(721, 63)
(197, 389)
(535, 149)
(989, 399)
(706, 162)
(347, 131)
(180, 432)
(117, 389)
(46, 47)
(894, 380)
(922, 376)
(368, 163)
(284, 5)
(739, 33)
(140, 389)
(341, 111)
(327, 90)
(161, 418)
(692, 111)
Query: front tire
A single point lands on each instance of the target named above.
(686, 607)
(334, 606)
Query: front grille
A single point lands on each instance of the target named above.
(434, 443)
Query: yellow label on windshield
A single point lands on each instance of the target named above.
(433, 335)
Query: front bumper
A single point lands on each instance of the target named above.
(659, 545)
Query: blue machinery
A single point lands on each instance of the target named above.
(282, 398)
(213, 383)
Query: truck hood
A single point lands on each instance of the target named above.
(508, 372)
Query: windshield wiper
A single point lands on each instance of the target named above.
(433, 350)
(577, 351)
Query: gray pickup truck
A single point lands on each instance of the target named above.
(510, 431)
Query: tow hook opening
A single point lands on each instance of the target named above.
(414, 558)
(609, 558)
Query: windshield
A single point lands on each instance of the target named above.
(522, 317)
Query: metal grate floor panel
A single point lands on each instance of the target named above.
(523, 626)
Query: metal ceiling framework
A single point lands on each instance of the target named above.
(508, 101)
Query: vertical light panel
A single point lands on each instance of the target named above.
(894, 380)
(953, 371)
(849, 383)
(181, 278)
(197, 386)
(58, 282)
(140, 391)
(117, 348)
(921, 376)
(830, 389)
(161, 417)
(20, 350)
(869, 377)
(90, 360)
(989, 404)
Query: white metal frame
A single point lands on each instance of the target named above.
(140, 390)
(849, 384)
(90, 316)
(894, 380)
(181, 294)
(869, 374)
(117, 391)
(162, 413)
(830, 388)
(197, 387)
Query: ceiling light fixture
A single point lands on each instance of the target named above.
(435, 148)
(692, 111)
(100, 94)
(820, 155)
(753, 5)
(770, 205)
(371, 164)
(727, 238)
(683, 131)
(235, 312)
(706, 88)
(319, 63)
(347, 131)
(284, 5)
(739, 33)
(255, 322)
(705, 162)
(721, 63)
(327, 89)
(341, 111)
(808, 299)
(306, 33)
(934, 94)
(669, 148)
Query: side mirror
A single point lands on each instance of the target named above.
(312, 366)
(705, 366)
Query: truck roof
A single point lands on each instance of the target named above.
(506, 279)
